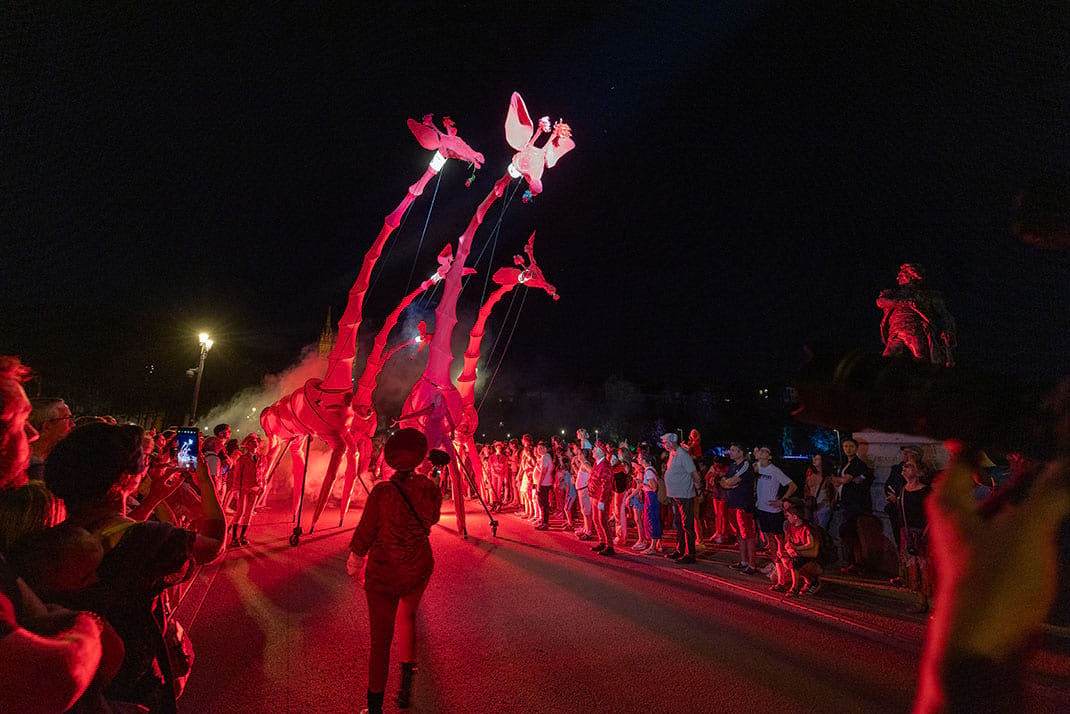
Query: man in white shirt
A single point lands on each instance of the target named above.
(681, 485)
(544, 477)
(769, 502)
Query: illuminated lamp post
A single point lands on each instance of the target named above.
(206, 344)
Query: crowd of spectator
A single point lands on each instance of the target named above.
(736, 495)
(100, 530)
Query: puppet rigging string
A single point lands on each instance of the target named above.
(505, 349)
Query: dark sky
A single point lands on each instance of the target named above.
(746, 179)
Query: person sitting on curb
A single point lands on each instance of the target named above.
(797, 559)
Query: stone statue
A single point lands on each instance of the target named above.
(916, 322)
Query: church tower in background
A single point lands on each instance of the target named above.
(327, 337)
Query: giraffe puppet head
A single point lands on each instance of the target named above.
(530, 160)
(446, 143)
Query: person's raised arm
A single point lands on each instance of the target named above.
(996, 586)
(212, 527)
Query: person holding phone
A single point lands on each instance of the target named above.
(94, 470)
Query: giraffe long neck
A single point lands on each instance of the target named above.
(441, 357)
(340, 361)
(466, 383)
(377, 358)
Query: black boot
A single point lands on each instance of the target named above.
(375, 702)
(408, 669)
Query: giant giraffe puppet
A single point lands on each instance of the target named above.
(322, 408)
(434, 404)
(530, 276)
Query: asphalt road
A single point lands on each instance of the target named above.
(534, 622)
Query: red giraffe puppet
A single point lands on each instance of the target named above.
(322, 407)
(530, 276)
(434, 404)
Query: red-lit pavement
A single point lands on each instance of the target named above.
(535, 622)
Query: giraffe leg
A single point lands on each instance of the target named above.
(356, 459)
(297, 459)
(328, 485)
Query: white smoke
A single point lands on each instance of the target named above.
(242, 412)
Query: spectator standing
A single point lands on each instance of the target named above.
(722, 529)
(94, 470)
(681, 485)
(853, 482)
(581, 466)
(544, 479)
(600, 489)
(693, 444)
(651, 504)
(914, 539)
(498, 467)
(768, 501)
(738, 484)
(393, 536)
(16, 432)
(819, 493)
(52, 419)
(248, 480)
(895, 484)
(214, 457)
(621, 464)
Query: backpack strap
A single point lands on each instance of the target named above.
(426, 530)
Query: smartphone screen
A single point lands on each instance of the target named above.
(187, 441)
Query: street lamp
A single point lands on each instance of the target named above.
(206, 344)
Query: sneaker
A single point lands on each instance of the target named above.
(686, 560)
(738, 566)
(234, 543)
(608, 551)
(812, 588)
(674, 555)
(779, 588)
(599, 548)
(639, 547)
(585, 536)
(649, 551)
(750, 571)
(542, 527)
(243, 540)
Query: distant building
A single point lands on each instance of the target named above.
(328, 336)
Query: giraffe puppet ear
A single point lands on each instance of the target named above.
(428, 136)
(506, 276)
(518, 124)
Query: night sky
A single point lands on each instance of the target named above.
(747, 178)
